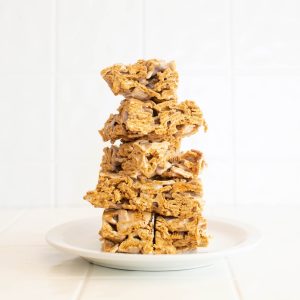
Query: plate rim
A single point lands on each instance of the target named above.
(253, 236)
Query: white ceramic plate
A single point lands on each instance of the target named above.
(81, 238)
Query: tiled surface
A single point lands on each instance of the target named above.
(238, 59)
(26, 36)
(9, 216)
(40, 262)
(273, 182)
(267, 139)
(262, 264)
(25, 184)
(267, 122)
(25, 140)
(194, 34)
(25, 124)
(94, 34)
(211, 283)
(81, 111)
(47, 289)
(271, 270)
(30, 269)
(264, 34)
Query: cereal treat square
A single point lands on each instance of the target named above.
(177, 197)
(151, 159)
(153, 79)
(153, 122)
(127, 231)
(176, 235)
(186, 164)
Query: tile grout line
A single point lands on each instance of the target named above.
(234, 280)
(80, 288)
(53, 105)
(12, 221)
(232, 96)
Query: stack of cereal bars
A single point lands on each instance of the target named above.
(150, 190)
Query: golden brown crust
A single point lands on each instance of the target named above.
(151, 159)
(151, 79)
(174, 235)
(153, 122)
(149, 189)
(178, 197)
(127, 231)
(138, 233)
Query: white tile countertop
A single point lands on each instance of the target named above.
(31, 269)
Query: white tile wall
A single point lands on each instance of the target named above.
(26, 36)
(267, 117)
(265, 34)
(238, 59)
(93, 34)
(194, 33)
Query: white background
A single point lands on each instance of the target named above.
(239, 59)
